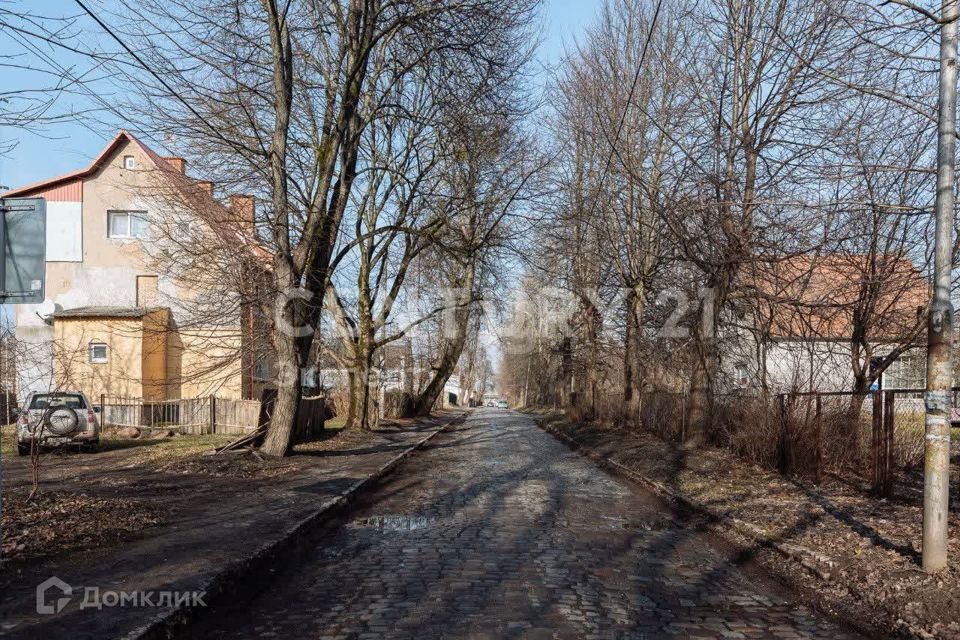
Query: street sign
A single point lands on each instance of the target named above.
(23, 246)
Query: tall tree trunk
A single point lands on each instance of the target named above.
(351, 399)
(632, 367)
(850, 430)
(279, 436)
(452, 347)
(700, 403)
(280, 430)
(423, 403)
(364, 407)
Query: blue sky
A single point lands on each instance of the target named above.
(68, 146)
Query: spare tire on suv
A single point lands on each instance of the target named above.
(61, 421)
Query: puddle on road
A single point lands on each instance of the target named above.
(392, 523)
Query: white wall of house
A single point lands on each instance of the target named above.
(64, 231)
(808, 365)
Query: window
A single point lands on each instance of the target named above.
(128, 162)
(906, 372)
(128, 224)
(46, 400)
(742, 374)
(261, 368)
(98, 352)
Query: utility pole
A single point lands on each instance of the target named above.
(936, 472)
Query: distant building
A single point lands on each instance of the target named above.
(114, 321)
(806, 317)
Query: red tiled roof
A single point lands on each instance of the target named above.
(816, 297)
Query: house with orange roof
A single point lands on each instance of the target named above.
(120, 318)
(814, 319)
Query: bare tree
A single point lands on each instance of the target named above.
(488, 173)
(276, 97)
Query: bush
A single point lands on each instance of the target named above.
(664, 413)
(397, 404)
(749, 426)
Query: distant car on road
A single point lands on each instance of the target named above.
(57, 419)
(502, 404)
(491, 403)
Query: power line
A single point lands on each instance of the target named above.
(156, 75)
(623, 117)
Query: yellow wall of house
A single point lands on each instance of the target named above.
(147, 359)
(206, 362)
(155, 332)
(121, 375)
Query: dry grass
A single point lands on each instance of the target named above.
(8, 440)
(162, 451)
(57, 522)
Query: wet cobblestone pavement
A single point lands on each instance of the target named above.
(497, 530)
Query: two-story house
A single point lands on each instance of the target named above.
(116, 320)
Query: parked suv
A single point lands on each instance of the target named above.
(58, 419)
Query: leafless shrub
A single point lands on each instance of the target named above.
(748, 426)
(664, 414)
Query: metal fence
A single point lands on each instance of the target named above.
(188, 415)
(878, 436)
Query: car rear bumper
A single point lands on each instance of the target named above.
(84, 437)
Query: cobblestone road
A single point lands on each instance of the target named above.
(497, 530)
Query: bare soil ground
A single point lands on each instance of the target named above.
(129, 485)
(858, 556)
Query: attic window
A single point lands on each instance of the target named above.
(98, 353)
(128, 162)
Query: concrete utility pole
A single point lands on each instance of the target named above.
(936, 473)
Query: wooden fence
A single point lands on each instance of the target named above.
(209, 414)
(311, 415)
(187, 415)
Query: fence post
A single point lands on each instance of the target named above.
(818, 439)
(213, 414)
(875, 444)
(103, 410)
(888, 426)
(782, 463)
(683, 417)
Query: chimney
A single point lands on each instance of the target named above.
(206, 185)
(179, 164)
(244, 210)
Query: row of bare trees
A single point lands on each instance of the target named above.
(383, 145)
(737, 185)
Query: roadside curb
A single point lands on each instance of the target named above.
(166, 623)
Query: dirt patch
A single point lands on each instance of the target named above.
(230, 465)
(247, 465)
(857, 555)
(57, 522)
(342, 440)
